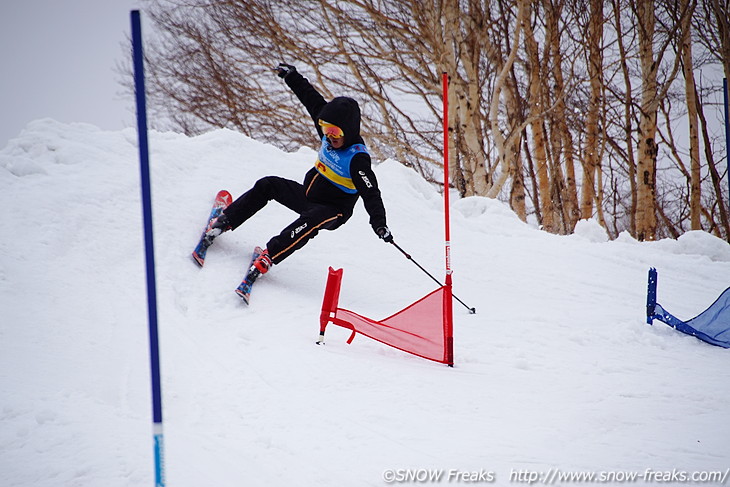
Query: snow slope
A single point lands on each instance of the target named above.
(556, 370)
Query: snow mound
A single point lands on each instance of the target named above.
(698, 242)
(558, 352)
(591, 230)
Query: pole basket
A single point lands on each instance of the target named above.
(423, 329)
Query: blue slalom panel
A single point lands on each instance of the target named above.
(711, 326)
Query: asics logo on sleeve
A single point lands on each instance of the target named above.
(365, 179)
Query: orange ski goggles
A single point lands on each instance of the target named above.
(331, 130)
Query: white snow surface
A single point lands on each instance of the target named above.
(557, 370)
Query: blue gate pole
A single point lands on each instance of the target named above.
(651, 296)
(149, 248)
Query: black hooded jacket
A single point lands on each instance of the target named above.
(345, 113)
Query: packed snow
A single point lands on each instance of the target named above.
(556, 372)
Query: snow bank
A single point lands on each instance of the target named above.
(556, 370)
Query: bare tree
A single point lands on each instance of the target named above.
(692, 118)
(548, 98)
(591, 156)
(653, 91)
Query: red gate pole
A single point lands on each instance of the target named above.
(448, 308)
(330, 301)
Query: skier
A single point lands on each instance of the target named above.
(326, 200)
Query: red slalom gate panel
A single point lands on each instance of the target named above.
(419, 329)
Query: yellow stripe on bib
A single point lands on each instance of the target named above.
(333, 176)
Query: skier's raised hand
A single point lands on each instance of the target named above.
(283, 70)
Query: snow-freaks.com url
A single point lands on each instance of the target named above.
(555, 476)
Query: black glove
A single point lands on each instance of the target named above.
(384, 234)
(284, 70)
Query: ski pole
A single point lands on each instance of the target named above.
(408, 256)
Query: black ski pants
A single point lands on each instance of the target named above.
(313, 217)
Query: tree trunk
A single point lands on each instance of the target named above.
(536, 106)
(714, 176)
(562, 141)
(646, 222)
(590, 155)
(508, 145)
(628, 117)
(695, 205)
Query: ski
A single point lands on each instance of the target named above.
(222, 199)
(244, 289)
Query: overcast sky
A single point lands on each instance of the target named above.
(58, 61)
(59, 58)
